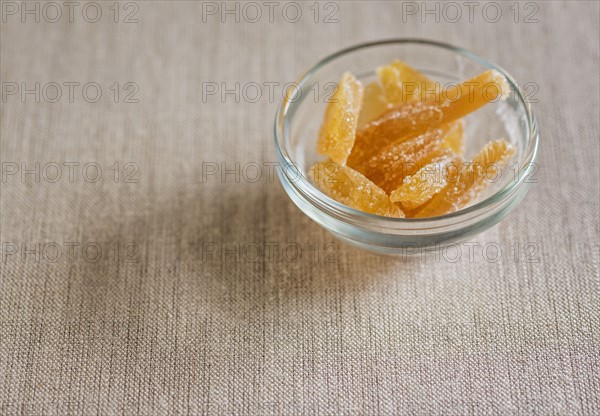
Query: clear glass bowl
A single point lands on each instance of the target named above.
(300, 116)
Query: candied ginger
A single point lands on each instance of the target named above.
(350, 188)
(394, 162)
(373, 105)
(418, 116)
(402, 83)
(394, 149)
(397, 82)
(470, 179)
(336, 137)
(420, 187)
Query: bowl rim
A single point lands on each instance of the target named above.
(306, 187)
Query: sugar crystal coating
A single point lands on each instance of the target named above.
(350, 188)
(402, 83)
(373, 105)
(395, 149)
(422, 186)
(466, 182)
(417, 116)
(391, 164)
(336, 137)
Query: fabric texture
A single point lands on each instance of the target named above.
(152, 264)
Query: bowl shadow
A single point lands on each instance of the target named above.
(232, 251)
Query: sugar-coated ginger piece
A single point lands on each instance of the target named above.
(454, 140)
(466, 182)
(338, 131)
(402, 83)
(373, 105)
(388, 167)
(350, 188)
(397, 82)
(415, 117)
(422, 186)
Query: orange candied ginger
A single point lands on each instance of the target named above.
(422, 186)
(418, 116)
(374, 104)
(395, 148)
(397, 82)
(336, 137)
(404, 157)
(464, 183)
(454, 140)
(350, 188)
(402, 83)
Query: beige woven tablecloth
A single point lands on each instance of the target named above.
(135, 280)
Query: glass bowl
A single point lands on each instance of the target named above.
(299, 118)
